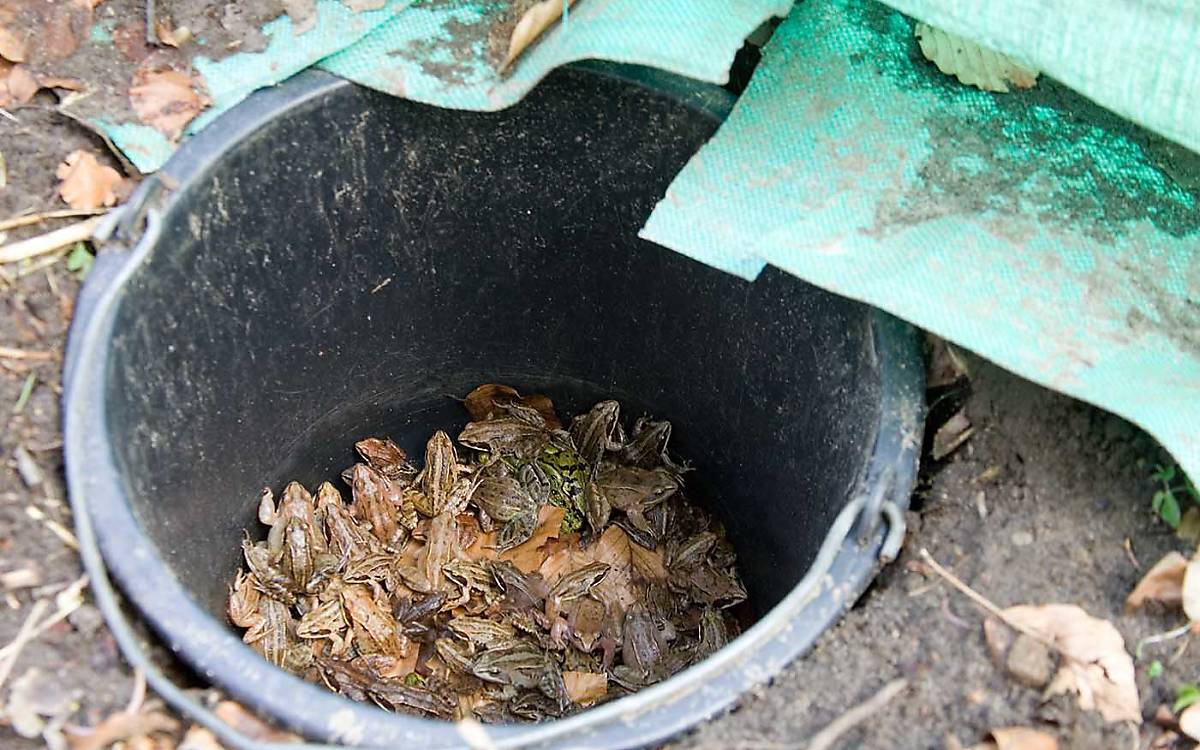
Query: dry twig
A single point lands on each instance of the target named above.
(65, 213)
(824, 739)
(50, 241)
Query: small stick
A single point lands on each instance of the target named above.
(59, 615)
(66, 213)
(7, 352)
(24, 635)
(49, 242)
(825, 739)
(984, 603)
(1129, 553)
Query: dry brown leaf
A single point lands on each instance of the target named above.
(14, 45)
(1163, 583)
(199, 738)
(951, 435)
(21, 84)
(1190, 592)
(1189, 526)
(236, 716)
(1023, 738)
(357, 6)
(1096, 666)
(531, 25)
(481, 403)
(627, 561)
(1189, 721)
(585, 688)
(171, 35)
(122, 725)
(971, 63)
(85, 183)
(946, 364)
(167, 100)
(88, 4)
(529, 555)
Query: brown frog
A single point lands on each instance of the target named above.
(574, 585)
(595, 432)
(268, 578)
(376, 501)
(634, 491)
(387, 458)
(374, 627)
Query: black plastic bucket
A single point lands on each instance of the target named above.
(325, 263)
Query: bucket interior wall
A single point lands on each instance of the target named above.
(361, 259)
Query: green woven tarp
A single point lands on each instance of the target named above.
(1032, 228)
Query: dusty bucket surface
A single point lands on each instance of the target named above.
(325, 263)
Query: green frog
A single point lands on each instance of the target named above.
(564, 473)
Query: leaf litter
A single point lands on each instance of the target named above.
(524, 572)
(85, 183)
(1095, 667)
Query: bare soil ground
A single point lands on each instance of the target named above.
(1040, 505)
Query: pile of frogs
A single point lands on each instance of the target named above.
(527, 573)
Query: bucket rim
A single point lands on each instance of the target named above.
(111, 538)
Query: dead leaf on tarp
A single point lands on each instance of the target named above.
(585, 688)
(1096, 666)
(1018, 738)
(1163, 583)
(357, 6)
(971, 63)
(531, 25)
(122, 725)
(236, 716)
(167, 99)
(85, 183)
(303, 14)
(951, 435)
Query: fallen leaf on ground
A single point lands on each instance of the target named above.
(199, 738)
(951, 435)
(946, 364)
(236, 716)
(19, 85)
(1189, 721)
(1191, 589)
(121, 726)
(167, 100)
(171, 35)
(1018, 738)
(85, 183)
(1096, 666)
(585, 688)
(1163, 583)
(971, 63)
(1189, 526)
(531, 25)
